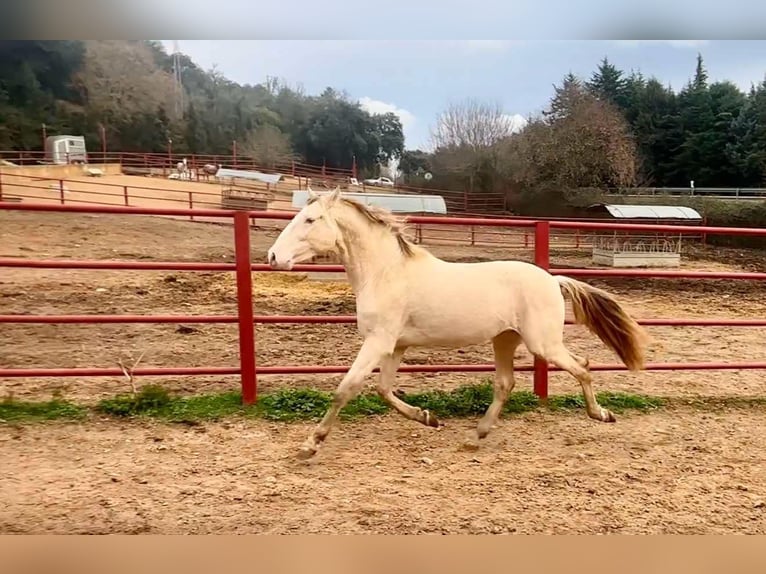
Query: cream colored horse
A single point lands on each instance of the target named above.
(407, 297)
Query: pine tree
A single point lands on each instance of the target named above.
(565, 97)
(746, 149)
(693, 161)
(607, 83)
(727, 102)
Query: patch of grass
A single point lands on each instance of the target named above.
(470, 400)
(155, 401)
(152, 399)
(293, 404)
(309, 404)
(620, 402)
(617, 402)
(12, 410)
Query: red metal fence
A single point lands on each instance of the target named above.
(246, 320)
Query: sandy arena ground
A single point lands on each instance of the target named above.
(677, 471)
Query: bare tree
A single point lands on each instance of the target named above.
(471, 124)
(466, 140)
(269, 146)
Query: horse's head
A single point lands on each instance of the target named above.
(313, 231)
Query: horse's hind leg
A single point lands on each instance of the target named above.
(578, 368)
(388, 367)
(504, 346)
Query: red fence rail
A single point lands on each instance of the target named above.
(248, 371)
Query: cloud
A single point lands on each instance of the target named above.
(517, 121)
(379, 107)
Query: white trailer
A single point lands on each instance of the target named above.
(65, 149)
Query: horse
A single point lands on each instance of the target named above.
(407, 297)
(210, 169)
(183, 169)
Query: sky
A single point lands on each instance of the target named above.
(418, 79)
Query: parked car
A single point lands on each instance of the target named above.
(379, 182)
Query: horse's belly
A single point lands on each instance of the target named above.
(437, 331)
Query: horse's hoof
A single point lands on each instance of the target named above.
(607, 416)
(469, 445)
(430, 420)
(306, 453)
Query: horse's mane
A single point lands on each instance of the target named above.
(383, 217)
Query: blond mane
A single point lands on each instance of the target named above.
(384, 218)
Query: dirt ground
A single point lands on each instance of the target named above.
(665, 472)
(662, 472)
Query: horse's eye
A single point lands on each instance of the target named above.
(310, 220)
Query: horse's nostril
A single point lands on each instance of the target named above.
(272, 259)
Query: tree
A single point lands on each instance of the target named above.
(727, 102)
(391, 135)
(746, 149)
(588, 147)
(336, 130)
(565, 98)
(608, 84)
(471, 124)
(414, 163)
(466, 140)
(194, 131)
(269, 146)
(695, 159)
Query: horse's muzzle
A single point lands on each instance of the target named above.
(275, 264)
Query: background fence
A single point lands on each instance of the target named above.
(249, 370)
(197, 197)
(708, 192)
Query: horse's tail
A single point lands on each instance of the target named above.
(603, 315)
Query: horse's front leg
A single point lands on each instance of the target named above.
(369, 356)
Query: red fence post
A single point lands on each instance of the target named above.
(245, 307)
(542, 259)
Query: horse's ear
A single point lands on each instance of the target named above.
(312, 194)
(335, 194)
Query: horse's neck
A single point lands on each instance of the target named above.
(367, 256)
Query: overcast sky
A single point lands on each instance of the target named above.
(417, 79)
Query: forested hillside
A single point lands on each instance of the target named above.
(612, 129)
(127, 87)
